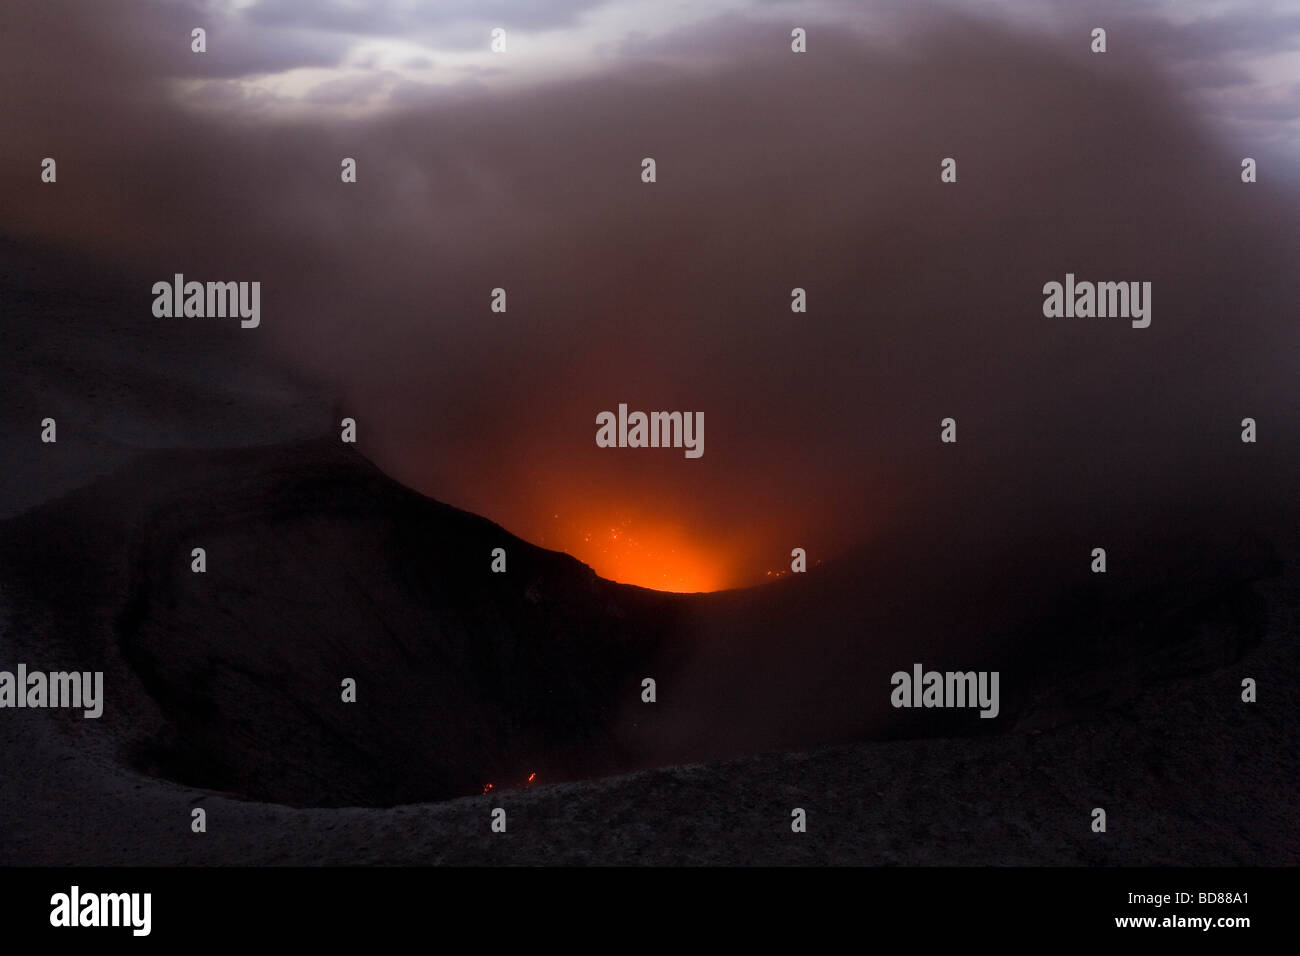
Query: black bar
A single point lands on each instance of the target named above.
(333, 905)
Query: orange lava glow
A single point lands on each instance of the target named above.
(661, 557)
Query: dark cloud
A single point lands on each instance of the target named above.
(108, 49)
(403, 19)
(1206, 52)
(1213, 75)
(1279, 109)
(1247, 29)
(236, 49)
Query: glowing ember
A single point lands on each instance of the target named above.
(489, 787)
(531, 777)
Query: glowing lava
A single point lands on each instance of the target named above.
(649, 555)
(662, 559)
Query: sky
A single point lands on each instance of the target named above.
(1240, 61)
(521, 170)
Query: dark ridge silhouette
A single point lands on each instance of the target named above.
(320, 568)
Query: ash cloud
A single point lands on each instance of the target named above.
(775, 170)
